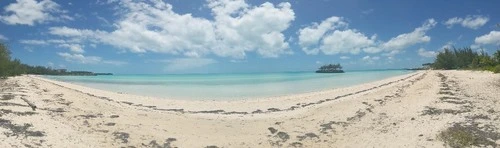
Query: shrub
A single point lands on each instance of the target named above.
(496, 69)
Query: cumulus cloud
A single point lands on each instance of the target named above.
(428, 54)
(491, 38)
(370, 59)
(402, 41)
(82, 59)
(72, 45)
(365, 58)
(187, 63)
(79, 58)
(33, 42)
(113, 62)
(345, 57)
(30, 12)
(470, 21)
(69, 32)
(241, 28)
(3, 38)
(309, 37)
(237, 28)
(75, 48)
(347, 41)
(331, 36)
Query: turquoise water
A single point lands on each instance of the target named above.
(227, 86)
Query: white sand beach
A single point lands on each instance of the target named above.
(405, 111)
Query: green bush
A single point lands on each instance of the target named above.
(466, 58)
(496, 69)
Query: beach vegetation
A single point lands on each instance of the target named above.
(466, 58)
(468, 135)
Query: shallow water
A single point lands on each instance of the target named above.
(227, 86)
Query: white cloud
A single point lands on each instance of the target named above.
(241, 28)
(104, 20)
(187, 63)
(69, 32)
(475, 47)
(347, 41)
(33, 42)
(79, 58)
(332, 37)
(369, 11)
(373, 49)
(116, 63)
(30, 12)
(75, 48)
(345, 57)
(470, 21)
(491, 38)
(310, 37)
(82, 59)
(3, 38)
(237, 28)
(369, 59)
(74, 45)
(402, 41)
(319, 62)
(452, 21)
(428, 54)
(57, 41)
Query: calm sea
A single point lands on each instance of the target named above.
(227, 86)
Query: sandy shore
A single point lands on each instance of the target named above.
(413, 110)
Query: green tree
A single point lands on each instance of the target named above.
(445, 60)
(464, 57)
(4, 60)
(496, 56)
(485, 60)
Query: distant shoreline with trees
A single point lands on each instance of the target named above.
(14, 67)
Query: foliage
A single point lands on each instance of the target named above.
(445, 60)
(496, 69)
(496, 56)
(466, 58)
(330, 68)
(4, 60)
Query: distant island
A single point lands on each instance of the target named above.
(330, 68)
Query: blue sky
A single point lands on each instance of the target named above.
(220, 36)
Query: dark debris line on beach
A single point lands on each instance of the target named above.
(258, 111)
(469, 132)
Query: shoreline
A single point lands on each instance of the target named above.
(274, 103)
(413, 110)
(228, 91)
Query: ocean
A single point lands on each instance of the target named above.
(227, 86)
